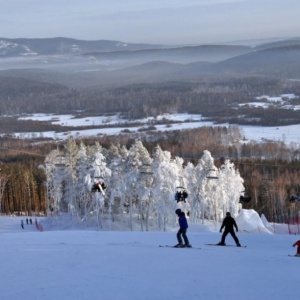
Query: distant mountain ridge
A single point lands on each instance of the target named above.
(106, 64)
(12, 47)
(61, 45)
(186, 54)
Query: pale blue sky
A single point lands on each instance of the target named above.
(151, 21)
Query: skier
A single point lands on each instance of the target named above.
(298, 247)
(183, 226)
(22, 224)
(229, 223)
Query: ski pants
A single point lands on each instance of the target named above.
(182, 232)
(231, 231)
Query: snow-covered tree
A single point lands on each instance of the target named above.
(135, 189)
(82, 193)
(165, 177)
(55, 169)
(139, 187)
(97, 182)
(208, 186)
(115, 164)
(231, 186)
(192, 188)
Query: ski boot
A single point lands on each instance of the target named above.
(179, 245)
(221, 244)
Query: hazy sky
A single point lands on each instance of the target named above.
(151, 21)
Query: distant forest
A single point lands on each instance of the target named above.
(217, 100)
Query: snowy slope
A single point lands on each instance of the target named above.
(92, 264)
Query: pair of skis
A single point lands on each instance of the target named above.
(168, 246)
(226, 245)
(205, 244)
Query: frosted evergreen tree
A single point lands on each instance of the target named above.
(231, 186)
(139, 185)
(48, 168)
(164, 186)
(70, 177)
(118, 200)
(189, 173)
(207, 180)
(198, 197)
(55, 168)
(145, 195)
(82, 193)
(115, 200)
(97, 181)
(135, 189)
(180, 182)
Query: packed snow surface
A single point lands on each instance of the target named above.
(96, 264)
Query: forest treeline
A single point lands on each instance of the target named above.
(271, 171)
(217, 99)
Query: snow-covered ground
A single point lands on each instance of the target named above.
(69, 120)
(116, 265)
(288, 134)
(280, 101)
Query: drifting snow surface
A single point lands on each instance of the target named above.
(115, 265)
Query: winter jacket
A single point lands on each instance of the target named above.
(183, 224)
(228, 223)
(298, 246)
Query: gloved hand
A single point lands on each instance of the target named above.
(237, 230)
(220, 230)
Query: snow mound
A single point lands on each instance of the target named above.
(281, 228)
(248, 220)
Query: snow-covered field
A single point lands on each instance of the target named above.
(116, 265)
(288, 134)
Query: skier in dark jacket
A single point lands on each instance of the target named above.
(298, 247)
(183, 226)
(229, 223)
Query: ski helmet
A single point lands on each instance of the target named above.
(228, 214)
(177, 211)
